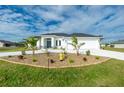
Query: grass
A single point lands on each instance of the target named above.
(114, 49)
(109, 73)
(11, 49)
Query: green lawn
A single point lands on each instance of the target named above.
(11, 49)
(110, 73)
(114, 49)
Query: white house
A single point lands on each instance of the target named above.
(118, 44)
(62, 40)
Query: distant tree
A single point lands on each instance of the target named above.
(75, 44)
(106, 44)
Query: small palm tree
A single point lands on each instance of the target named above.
(75, 44)
(25, 45)
(31, 42)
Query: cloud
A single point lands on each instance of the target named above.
(18, 22)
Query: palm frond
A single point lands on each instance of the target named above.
(81, 44)
(74, 45)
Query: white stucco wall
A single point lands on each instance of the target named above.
(119, 45)
(90, 42)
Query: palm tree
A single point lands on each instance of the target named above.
(25, 45)
(75, 44)
(31, 42)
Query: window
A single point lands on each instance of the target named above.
(59, 42)
(56, 42)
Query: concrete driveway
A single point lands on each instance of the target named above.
(105, 53)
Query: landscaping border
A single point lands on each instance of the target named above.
(53, 67)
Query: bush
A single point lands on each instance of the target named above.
(20, 57)
(34, 60)
(106, 44)
(88, 52)
(112, 46)
(9, 56)
(64, 50)
(54, 47)
(97, 57)
(23, 52)
(71, 61)
(85, 59)
(52, 61)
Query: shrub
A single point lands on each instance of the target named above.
(111, 45)
(52, 61)
(88, 52)
(106, 44)
(20, 57)
(9, 56)
(54, 47)
(23, 52)
(85, 59)
(64, 50)
(34, 60)
(71, 61)
(97, 57)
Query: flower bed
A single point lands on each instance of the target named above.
(52, 60)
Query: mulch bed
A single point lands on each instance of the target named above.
(42, 60)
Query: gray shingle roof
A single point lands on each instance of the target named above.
(70, 35)
(118, 42)
(57, 34)
(37, 36)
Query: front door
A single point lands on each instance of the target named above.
(48, 42)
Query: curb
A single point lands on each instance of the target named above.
(53, 67)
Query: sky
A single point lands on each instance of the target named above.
(19, 22)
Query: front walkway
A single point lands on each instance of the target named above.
(105, 53)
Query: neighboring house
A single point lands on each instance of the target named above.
(4, 43)
(62, 40)
(105, 45)
(118, 44)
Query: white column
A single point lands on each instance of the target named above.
(53, 42)
(42, 42)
